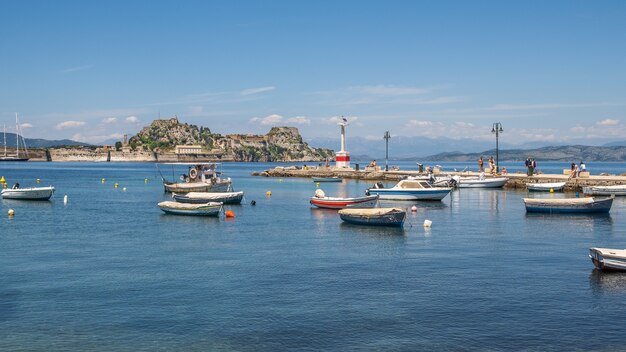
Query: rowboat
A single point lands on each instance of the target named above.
(545, 187)
(409, 190)
(608, 258)
(585, 205)
(619, 190)
(321, 201)
(481, 182)
(207, 209)
(28, 193)
(374, 216)
(205, 197)
(327, 179)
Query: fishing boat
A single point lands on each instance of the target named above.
(18, 136)
(608, 258)
(481, 182)
(409, 190)
(28, 193)
(585, 205)
(321, 201)
(618, 190)
(207, 209)
(198, 178)
(205, 197)
(374, 216)
(546, 187)
(327, 179)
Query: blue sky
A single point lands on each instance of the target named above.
(549, 71)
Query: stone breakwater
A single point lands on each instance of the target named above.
(516, 181)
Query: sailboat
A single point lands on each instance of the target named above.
(16, 156)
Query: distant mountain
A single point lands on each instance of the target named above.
(570, 153)
(615, 144)
(41, 143)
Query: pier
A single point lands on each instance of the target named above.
(516, 180)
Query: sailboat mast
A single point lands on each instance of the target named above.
(5, 141)
(17, 137)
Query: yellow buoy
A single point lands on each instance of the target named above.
(145, 180)
(116, 185)
(2, 180)
(38, 180)
(551, 190)
(268, 193)
(103, 180)
(11, 212)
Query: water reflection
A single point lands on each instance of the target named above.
(321, 214)
(607, 281)
(583, 221)
(182, 220)
(347, 228)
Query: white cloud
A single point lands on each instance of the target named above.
(69, 124)
(109, 120)
(132, 119)
(608, 122)
(418, 124)
(257, 90)
(96, 139)
(333, 120)
(298, 120)
(77, 68)
(268, 120)
(26, 125)
(389, 90)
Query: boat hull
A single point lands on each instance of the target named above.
(205, 197)
(558, 206)
(327, 179)
(387, 217)
(341, 203)
(13, 159)
(605, 190)
(608, 259)
(186, 187)
(486, 183)
(174, 208)
(437, 193)
(31, 193)
(545, 187)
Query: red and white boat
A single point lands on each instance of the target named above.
(321, 201)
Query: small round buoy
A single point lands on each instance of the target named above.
(414, 208)
(11, 212)
(116, 185)
(229, 214)
(427, 223)
(124, 189)
(551, 190)
(38, 181)
(268, 193)
(317, 184)
(65, 199)
(145, 180)
(280, 180)
(103, 180)
(253, 203)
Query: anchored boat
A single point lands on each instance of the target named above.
(28, 193)
(545, 187)
(207, 209)
(618, 190)
(608, 258)
(321, 201)
(374, 217)
(408, 189)
(199, 178)
(586, 205)
(205, 197)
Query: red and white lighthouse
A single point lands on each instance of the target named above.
(342, 157)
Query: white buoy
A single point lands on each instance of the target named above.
(11, 212)
(65, 199)
(414, 208)
(427, 223)
(124, 189)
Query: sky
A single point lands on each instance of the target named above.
(548, 71)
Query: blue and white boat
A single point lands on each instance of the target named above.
(176, 208)
(374, 216)
(585, 205)
(409, 190)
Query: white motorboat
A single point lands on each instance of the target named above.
(199, 178)
(480, 182)
(618, 190)
(546, 186)
(608, 258)
(409, 190)
(28, 193)
(205, 197)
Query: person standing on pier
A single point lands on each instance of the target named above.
(529, 165)
(581, 168)
(492, 165)
(481, 164)
(573, 171)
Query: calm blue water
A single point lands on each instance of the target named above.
(110, 271)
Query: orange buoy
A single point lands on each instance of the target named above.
(229, 214)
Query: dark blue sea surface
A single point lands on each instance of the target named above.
(110, 271)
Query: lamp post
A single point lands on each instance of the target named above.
(386, 137)
(497, 129)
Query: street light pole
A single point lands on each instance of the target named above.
(387, 136)
(497, 129)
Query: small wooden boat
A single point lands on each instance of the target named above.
(207, 209)
(585, 205)
(408, 189)
(28, 193)
(321, 201)
(618, 190)
(205, 197)
(481, 182)
(608, 259)
(374, 217)
(545, 187)
(327, 179)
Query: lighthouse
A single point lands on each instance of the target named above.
(342, 157)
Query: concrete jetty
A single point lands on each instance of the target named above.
(516, 180)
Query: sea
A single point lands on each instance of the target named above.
(109, 271)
